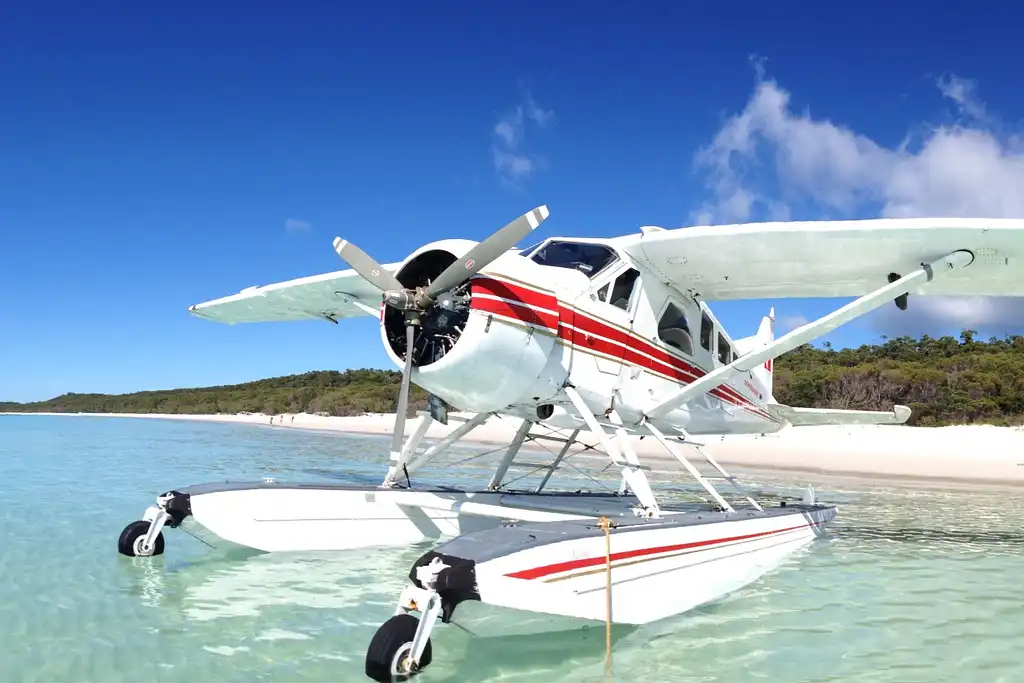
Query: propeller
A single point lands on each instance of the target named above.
(415, 302)
(422, 299)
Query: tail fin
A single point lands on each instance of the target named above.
(763, 374)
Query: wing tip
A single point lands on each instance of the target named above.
(194, 310)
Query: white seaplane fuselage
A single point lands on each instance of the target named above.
(615, 337)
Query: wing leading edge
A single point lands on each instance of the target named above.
(329, 296)
(832, 258)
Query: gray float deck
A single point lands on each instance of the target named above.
(488, 544)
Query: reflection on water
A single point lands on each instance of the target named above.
(329, 580)
(910, 584)
(963, 540)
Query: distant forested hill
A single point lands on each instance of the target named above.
(352, 392)
(945, 381)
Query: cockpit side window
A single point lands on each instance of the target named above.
(530, 249)
(589, 259)
(674, 330)
(622, 291)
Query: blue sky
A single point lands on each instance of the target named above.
(154, 156)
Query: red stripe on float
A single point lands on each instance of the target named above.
(559, 567)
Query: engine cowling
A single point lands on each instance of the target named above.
(491, 342)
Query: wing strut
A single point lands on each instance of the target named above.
(801, 335)
(632, 471)
(689, 468)
(408, 460)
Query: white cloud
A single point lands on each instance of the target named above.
(511, 161)
(771, 162)
(789, 323)
(961, 91)
(295, 225)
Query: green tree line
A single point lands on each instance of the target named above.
(353, 392)
(944, 380)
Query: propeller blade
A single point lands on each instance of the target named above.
(364, 264)
(488, 250)
(403, 396)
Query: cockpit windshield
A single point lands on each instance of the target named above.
(589, 259)
(530, 249)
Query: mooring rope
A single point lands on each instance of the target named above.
(606, 525)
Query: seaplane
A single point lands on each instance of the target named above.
(605, 341)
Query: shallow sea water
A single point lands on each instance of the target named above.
(910, 585)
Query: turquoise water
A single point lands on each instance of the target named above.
(911, 585)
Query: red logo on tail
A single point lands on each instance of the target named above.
(768, 365)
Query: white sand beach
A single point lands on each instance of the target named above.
(967, 454)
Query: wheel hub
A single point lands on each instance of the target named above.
(400, 665)
(139, 547)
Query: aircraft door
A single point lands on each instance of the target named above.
(665, 332)
(603, 322)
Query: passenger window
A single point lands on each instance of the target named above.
(724, 350)
(705, 331)
(623, 289)
(674, 331)
(602, 294)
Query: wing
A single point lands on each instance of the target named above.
(831, 258)
(330, 296)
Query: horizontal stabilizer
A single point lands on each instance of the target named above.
(802, 417)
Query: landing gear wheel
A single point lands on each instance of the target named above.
(387, 658)
(130, 541)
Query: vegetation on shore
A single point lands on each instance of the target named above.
(944, 380)
(353, 392)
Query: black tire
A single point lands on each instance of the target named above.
(389, 639)
(132, 533)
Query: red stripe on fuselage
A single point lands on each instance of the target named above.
(516, 311)
(582, 329)
(559, 567)
(661, 361)
(512, 292)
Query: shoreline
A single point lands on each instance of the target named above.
(938, 456)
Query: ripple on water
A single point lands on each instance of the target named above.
(911, 585)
